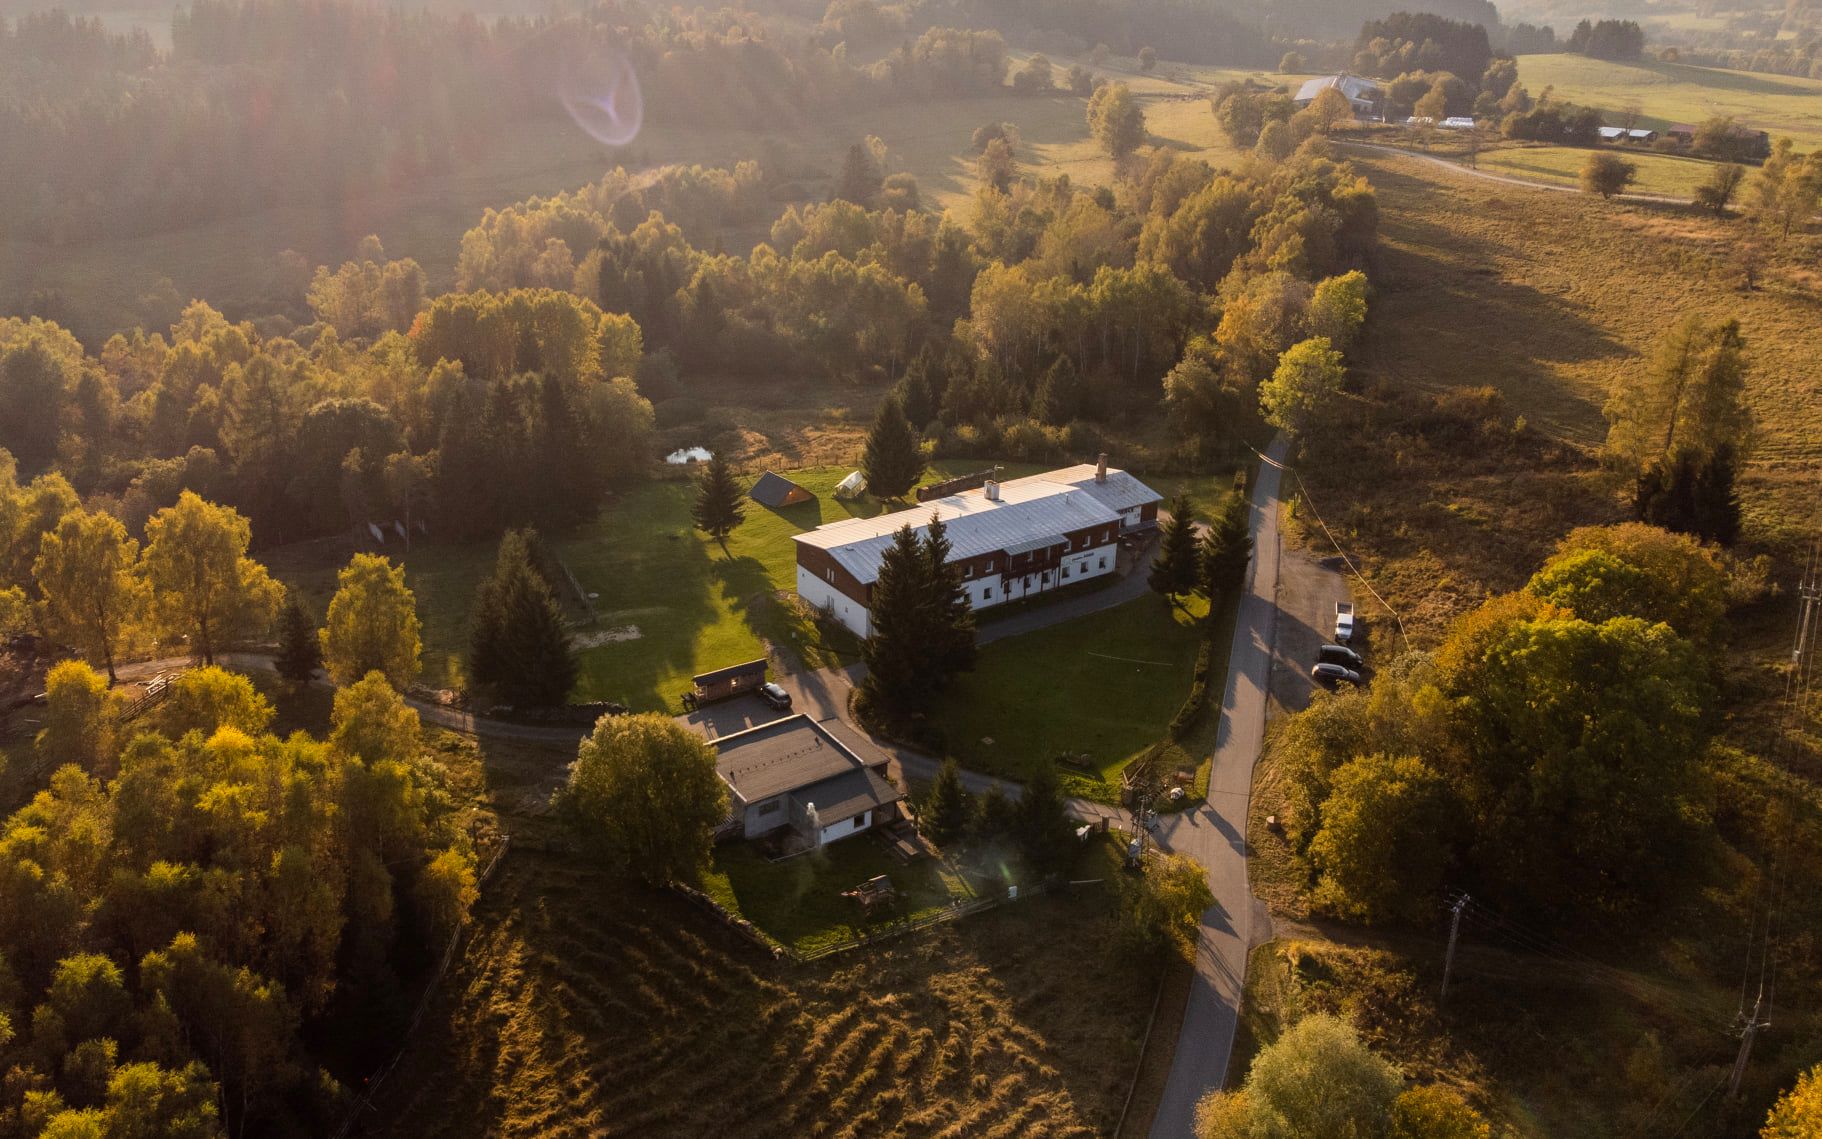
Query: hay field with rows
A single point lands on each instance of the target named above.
(579, 1007)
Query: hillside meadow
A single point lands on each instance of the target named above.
(1669, 93)
(584, 1007)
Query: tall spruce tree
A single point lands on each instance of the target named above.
(1174, 571)
(519, 648)
(948, 808)
(718, 507)
(897, 675)
(950, 638)
(300, 653)
(1225, 550)
(894, 458)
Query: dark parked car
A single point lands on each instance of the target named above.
(1330, 673)
(775, 696)
(1342, 655)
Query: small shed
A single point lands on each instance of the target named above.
(776, 490)
(851, 487)
(725, 682)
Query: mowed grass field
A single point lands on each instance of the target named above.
(1669, 93)
(671, 602)
(580, 1006)
(1666, 175)
(1125, 672)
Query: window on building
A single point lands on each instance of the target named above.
(1065, 573)
(967, 571)
(830, 574)
(769, 807)
(986, 593)
(1103, 562)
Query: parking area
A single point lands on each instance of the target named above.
(1308, 589)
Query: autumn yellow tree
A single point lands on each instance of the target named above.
(204, 586)
(373, 624)
(85, 572)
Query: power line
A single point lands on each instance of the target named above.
(1352, 568)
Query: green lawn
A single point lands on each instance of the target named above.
(1669, 93)
(1105, 684)
(798, 902)
(1671, 175)
(681, 604)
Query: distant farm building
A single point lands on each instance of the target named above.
(1748, 143)
(1457, 123)
(853, 486)
(1362, 94)
(1637, 136)
(792, 773)
(1009, 540)
(776, 490)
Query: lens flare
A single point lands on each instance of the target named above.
(596, 85)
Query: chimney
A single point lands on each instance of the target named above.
(992, 485)
(1100, 468)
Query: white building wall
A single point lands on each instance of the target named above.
(820, 594)
(846, 827)
(983, 592)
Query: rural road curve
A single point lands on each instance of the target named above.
(1469, 171)
(1214, 834)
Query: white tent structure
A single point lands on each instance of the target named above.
(851, 487)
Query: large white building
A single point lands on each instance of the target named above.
(1009, 539)
(1362, 94)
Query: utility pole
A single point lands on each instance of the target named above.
(1448, 962)
(1747, 1032)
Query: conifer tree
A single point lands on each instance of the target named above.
(894, 458)
(950, 637)
(519, 648)
(1058, 401)
(894, 651)
(300, 653)
(1225, 550)
(718, 507)
(1040, 824)
(1174, 570)
(948, 808)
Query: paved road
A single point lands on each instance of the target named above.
(1215, 834)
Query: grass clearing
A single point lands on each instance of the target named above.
(798, 901)
(1104, 684)
(581, 1006)
(681, 605)
(1669, 175)
(1668, 93)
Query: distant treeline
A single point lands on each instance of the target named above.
(261, 102)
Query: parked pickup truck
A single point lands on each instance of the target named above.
(1344, 621)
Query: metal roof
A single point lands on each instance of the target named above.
(776, 490)
(781, 757)
(1121, 491)
(1354, 87)
(846, 795)
(1045, 506)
